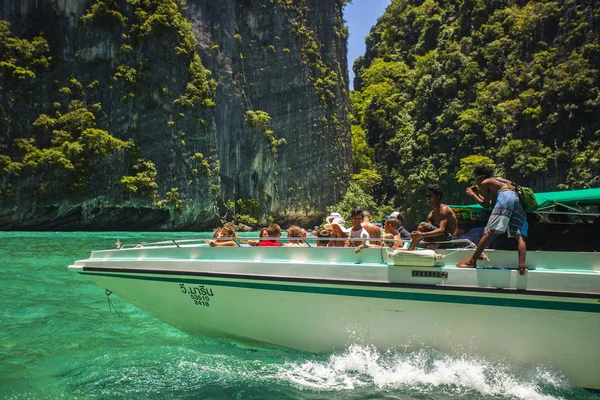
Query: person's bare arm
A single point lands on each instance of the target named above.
(443, 221)
(430, 218)
(482, 196)
(439, 230)
(224, 243)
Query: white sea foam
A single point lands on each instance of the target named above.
(423, 370)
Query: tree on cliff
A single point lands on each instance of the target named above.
(517, 82)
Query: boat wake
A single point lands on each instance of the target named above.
(212, 369)
(422, 371)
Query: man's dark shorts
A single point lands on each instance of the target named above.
(440, 238)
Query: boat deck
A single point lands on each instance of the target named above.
(550, 273)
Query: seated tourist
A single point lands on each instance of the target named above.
(261, 234)
(324, 236)
(441, 222)
(357, 231)
(273, 231)
(338, 231)
(373, 230)
(332, 216)
(404, 234)
(216, 235)
(295, 232)
(223, 238)
(388, 237)
(264, 232)
(391, 227)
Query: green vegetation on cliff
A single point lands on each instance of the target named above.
(260, 120)
(516, 82)
(118, 109)
(327, 76)
(67, 150)
(20, 58)
(67, 147)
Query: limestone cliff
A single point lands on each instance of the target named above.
(163, 115)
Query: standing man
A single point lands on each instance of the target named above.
(441, 222)
(507, 215)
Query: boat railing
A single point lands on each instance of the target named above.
(311, 241)
(176, 242)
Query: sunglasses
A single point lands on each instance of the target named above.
(429, 196)
(477, 177)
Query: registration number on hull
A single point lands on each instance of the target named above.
(430, 274)
(199, 294)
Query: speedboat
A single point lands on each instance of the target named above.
(323, 299)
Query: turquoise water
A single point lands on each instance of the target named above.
(60, 340)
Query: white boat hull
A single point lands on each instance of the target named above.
(378, 305)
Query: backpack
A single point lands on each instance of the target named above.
(526, 195)
(527, 198)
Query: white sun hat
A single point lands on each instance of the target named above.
(339, 222)
(332, 216)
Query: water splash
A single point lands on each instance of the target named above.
(214, 369)
(421, 371)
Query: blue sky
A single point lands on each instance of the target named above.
(360, 16)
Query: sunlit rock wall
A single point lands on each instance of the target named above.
(288, 61)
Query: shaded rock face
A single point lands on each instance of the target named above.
(287, 61)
